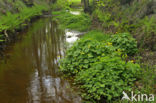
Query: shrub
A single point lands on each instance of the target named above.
(107, 79)
(125, 42)
(84, 53)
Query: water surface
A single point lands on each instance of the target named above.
(29, 70)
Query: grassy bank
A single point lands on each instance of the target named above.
(61, 13)
(19, 17)
(77, 22)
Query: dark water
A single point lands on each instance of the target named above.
(29, 72)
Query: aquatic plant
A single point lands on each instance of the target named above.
(99, 69)
(84, 53)
(106, 79)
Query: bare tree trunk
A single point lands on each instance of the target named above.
(86, 5)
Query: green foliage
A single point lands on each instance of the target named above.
(19, 5)
(103, 17)
(147, 30)
(148, 79)
(78, 22)
(122, 41)
(12, 21)
(125, 1)
(105, 13)
(148, 25)
(65, 4)
(61, 4)
(97, 35)
(98, 67)
(125, 42)
(1, 39)
(107, 78)
(83, 53)
(18, 15)
(137, 17)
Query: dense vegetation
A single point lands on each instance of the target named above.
(15, 15)
(67, 20)
(137, 17)
(100, 68)
(106, 61)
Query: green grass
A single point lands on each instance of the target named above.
(80, 22)
(75, 2)
(12, 21)
(97, 35)
(77, 22)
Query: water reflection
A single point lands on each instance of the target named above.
(75, 12)
(30, 75)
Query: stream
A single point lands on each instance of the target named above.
(29, 69)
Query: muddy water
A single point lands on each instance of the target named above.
(29, 70)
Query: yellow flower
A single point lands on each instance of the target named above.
(119, 50)
(132, 61)
(126, 55)
(109, 43)
(82, 53)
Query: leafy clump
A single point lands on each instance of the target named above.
(84, 53)
(99, 69)
(125, 42)
(108, 78)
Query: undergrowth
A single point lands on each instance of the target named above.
(126, 42)
(100, 63)
(11, 21)
(99, 67)
(80, 22)
(65, 4)
(136, 17)
(97, 35)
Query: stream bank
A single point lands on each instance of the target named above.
(90, 73)
(16, 16)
